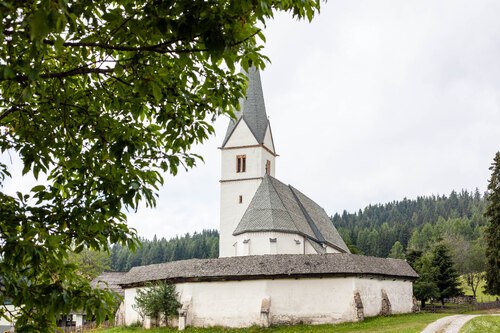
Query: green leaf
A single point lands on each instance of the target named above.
(38, 188)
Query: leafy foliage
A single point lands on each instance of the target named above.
(470, 260)
(90, 263)
(438, 278)
(100, 98)
(493, 229)
(397, 251)
(157, 301)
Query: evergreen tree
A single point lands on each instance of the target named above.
(397, 251)
(425, 287)
(446, 276)
(417, 224)
(493, 229)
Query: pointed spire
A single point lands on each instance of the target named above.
(252, 109)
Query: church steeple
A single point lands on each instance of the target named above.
(252, 111)
(248, 155)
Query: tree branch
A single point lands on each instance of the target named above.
(59, 75)
(9, 111)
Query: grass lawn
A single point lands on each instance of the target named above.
(407, 323)
(490, 324)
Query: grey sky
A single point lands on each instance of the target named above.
(373, 101)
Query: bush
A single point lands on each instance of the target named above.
(157, 301)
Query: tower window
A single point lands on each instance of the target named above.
(268, 167)
(241, 199)
(241, 163)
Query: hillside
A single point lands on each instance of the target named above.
(415, 223)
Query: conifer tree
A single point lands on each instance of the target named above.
(493, 230)
(397, 251)
(446, 276)
(425, 287)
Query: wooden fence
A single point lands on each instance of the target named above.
(487, 305)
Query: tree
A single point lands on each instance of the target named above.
(158, 301)
(98, 98)
(425, 287)
(397, 251)
(446, 277)
(493, 229)
(469, 258)
(89, 263)
(476, 265)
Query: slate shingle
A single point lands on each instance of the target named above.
(282, 208)
(270, 266)
(109, 280)
(252, 109)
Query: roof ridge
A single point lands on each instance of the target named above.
(309, 220)
(298, 230)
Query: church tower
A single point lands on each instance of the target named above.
(248, 154)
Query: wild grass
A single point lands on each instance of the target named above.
(407, 323)
(490, 324)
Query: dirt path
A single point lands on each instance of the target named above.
(450, 324)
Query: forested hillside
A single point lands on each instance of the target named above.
(415, 224)
(197, 245)
(376, 230)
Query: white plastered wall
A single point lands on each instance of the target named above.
(259, 243)
(235, 184)
(399, 292)
(241, 136)
(231, 211)
(268, 139)
(311, 300)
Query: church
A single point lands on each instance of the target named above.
(282, 261)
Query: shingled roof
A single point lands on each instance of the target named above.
(269, 266)
(110, 281)
(282, 208)
(252, 109)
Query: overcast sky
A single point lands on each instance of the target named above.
(373, 101)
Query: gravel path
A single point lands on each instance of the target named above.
(450, 324)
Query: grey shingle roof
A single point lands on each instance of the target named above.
(252, 109)
(270, 266)
(109, 280)
(279, 207)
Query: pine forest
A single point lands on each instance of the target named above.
(381, 230)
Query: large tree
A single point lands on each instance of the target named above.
(98, 98)
(493, 229)
(446, 276)
(425, 287)
(469, 258)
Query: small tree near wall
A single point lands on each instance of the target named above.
(158, 301)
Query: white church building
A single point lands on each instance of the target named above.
(282, 260)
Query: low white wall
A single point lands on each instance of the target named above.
(314, 301)
(399, 292)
